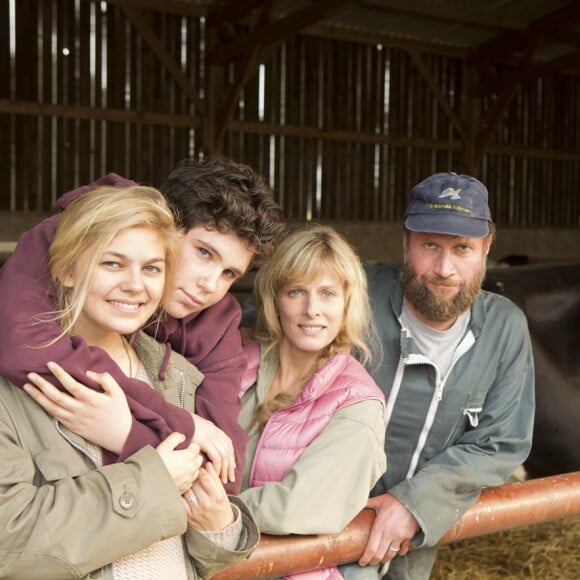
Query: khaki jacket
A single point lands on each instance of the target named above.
(64, 518)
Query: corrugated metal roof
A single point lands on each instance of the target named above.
(462, 24)
(456, 26)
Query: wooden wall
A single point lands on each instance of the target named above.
(343, 131)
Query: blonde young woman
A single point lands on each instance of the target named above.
(314, 416)
(65, 512)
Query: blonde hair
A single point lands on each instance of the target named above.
(301, 255)
(89, 224)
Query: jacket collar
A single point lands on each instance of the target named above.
(317, 383)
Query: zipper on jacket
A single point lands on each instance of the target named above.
(414, 359)
(73, 443)
(181, 389)
(467, 342)
(394, 391)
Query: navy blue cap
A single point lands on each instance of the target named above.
(449, 203)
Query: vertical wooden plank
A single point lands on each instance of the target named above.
(134, 42)
(72, 62)
(6, 121)
(363, 188)
(116, 58)
(322, 82)
(292, 115)
(63, 23)
(328, 175)
(162, 89)
(26, 74)
(170, 39)
(45, 140)
(101, 87)
(85, 155)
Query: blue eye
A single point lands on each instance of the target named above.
(153, 269)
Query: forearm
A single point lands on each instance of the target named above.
(211, 342)
(445, 487)
(217, 400)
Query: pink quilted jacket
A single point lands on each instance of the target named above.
(342, 381)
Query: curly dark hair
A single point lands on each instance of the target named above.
(226, 196)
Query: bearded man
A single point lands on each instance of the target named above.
(458, 376)
(457, 373)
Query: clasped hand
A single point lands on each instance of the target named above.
(84, 410)
(206, 502)
(392, 531)
(217, 446)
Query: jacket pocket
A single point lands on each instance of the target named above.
(54, 464)
(473, 407)
(466, 414)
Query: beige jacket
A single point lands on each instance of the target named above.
(63, 518)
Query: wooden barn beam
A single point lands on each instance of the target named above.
(545, 27)
(527, 73)
(231, 11)
(225, 112)
(322, 30)
(340, 135)
(176, 7)
(97, 114)
(501, 508)
(34, 109)
(302, 132)
(492, 120)
(495, 114)
(426, 74)
(445, 13)
(141, 25)
(220, 22)
(244, 70)
(570, 36)
(276, 32)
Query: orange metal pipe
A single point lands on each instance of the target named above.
(500, 508)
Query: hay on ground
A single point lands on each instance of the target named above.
(549, 551)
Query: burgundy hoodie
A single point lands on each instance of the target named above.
(209, 339)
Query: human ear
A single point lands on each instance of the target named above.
(67, 280)
(487, 245)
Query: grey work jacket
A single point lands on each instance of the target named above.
(448, 437)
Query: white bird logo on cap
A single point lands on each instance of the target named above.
(450, 193)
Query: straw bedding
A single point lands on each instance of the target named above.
(548, 551)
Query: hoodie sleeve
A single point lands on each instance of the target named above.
(211, 341)
(25, 295)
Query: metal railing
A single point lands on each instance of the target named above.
(501, 508)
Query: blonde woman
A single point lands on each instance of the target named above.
(67, 513)
(314, 416)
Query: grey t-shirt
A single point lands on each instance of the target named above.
(438, 345)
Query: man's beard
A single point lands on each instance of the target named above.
(439, 309)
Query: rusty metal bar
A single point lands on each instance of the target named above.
(502, 508)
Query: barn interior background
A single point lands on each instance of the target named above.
(342, 105)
